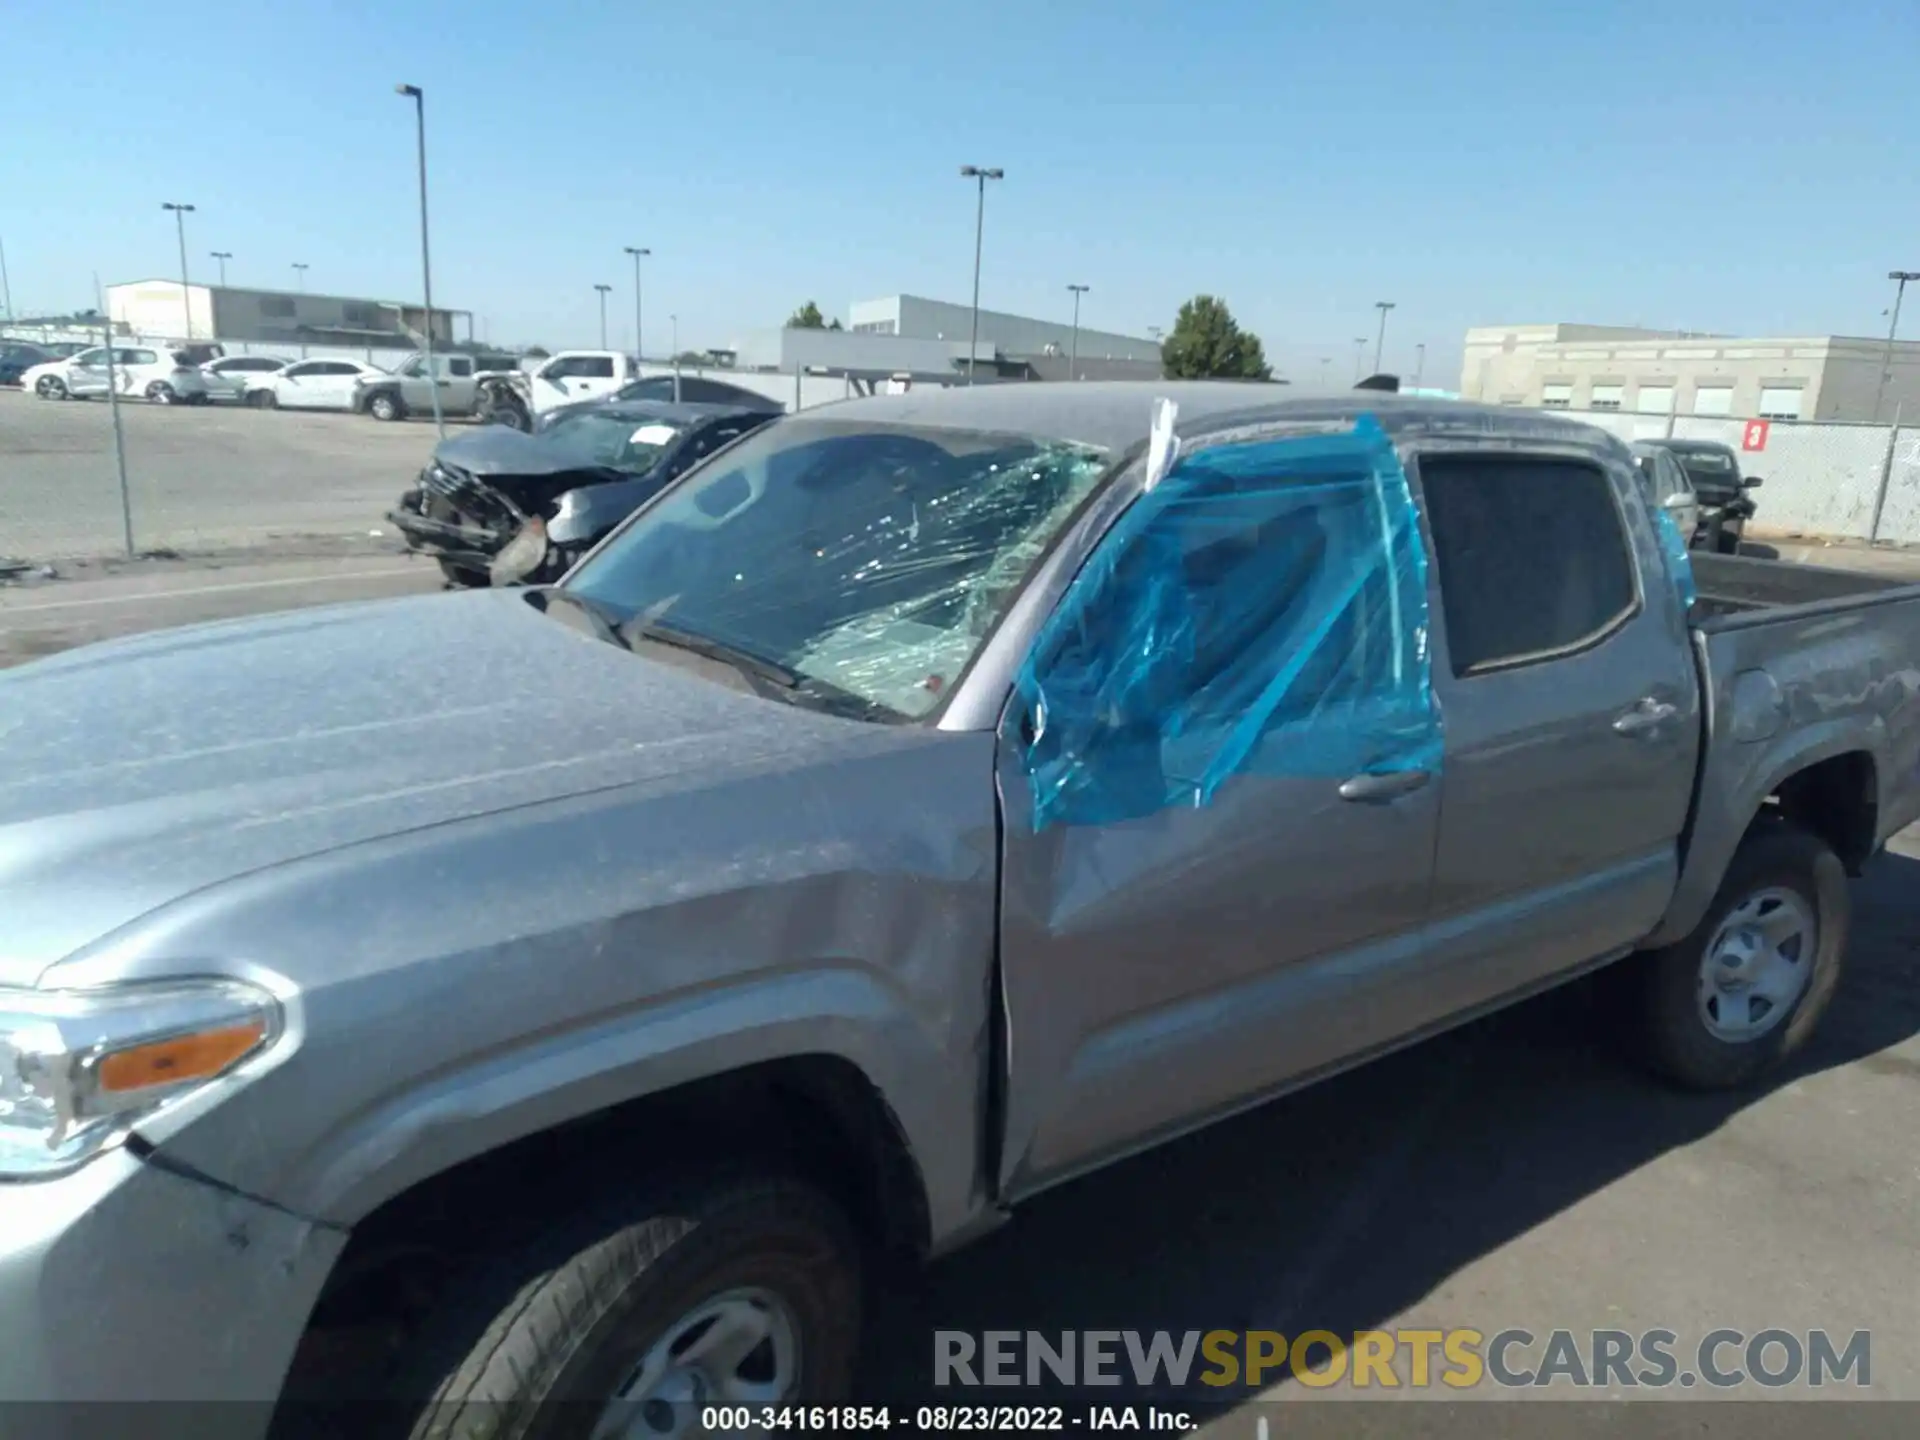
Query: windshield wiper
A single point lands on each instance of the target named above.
(770, 670)
(602, 623)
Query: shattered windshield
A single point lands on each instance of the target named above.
(872, 559)
(614, 442)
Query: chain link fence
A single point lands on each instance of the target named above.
(90, 477)
(122, 471)
(1841, 482)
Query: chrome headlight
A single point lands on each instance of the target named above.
(77, 1067)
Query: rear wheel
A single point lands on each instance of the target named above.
(627, 1316)
(1748, 986)
(160, 393)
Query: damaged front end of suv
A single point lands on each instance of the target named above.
(497, 506)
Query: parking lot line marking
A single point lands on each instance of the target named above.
(153, 595)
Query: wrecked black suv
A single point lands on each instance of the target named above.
(499, 506)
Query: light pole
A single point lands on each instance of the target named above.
(1886, 365)
(180, 225)
(982, 175)
(1073, 360)
(223, 256)
(426, 260)
(1419, 363)
(639, 345)
(1359, 358)
(6, 290)
(1381, 343)
(1326, 383)
(300, 268)
(604, 291)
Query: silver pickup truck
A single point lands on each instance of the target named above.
(926, 800)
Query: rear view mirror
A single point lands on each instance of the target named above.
(1752, 482)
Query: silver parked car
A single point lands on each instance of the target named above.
(927, 800)
(1668, 487)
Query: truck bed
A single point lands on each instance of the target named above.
(1801, 665)
(1732, 585)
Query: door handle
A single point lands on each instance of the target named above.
(1389, 786)
(1649, 714)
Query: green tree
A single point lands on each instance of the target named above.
(1207, 344)
(807, 317)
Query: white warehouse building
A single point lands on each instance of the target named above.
(1002, 336)
(1666, 372)
(271, 318)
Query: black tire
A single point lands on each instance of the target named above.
(160, 393)
(50, 387)
(1727, 542)
(463, 578)
(386, 407)
(533, 1346)
(1679, 1045)
(264, 400)
(509, 414)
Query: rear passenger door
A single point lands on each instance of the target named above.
(1571, 709)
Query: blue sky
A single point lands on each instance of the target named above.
(1745, 167)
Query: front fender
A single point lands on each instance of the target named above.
(582, 516)
(471, 982)
(846, 1014)
(363, 397)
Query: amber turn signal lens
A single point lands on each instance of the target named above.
(187, 1057)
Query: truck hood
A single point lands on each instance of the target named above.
(136, 772)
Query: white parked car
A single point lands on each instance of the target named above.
(310, 385)
(229, 377)
(159, 375)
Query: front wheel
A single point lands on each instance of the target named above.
(50, 387)
(264, 400)
(385, 407)
(627, 1317)
(460, 577)
(1748, 986)
(160, 393)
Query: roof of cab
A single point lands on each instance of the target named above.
(1115, 415)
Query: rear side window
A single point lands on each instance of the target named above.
(1532, 554)
(581, 367)
(139, 357)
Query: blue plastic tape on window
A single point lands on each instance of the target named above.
(1262, 611)
(1679, 562)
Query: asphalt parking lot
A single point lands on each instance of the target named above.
(198, 478)
(1517, 1173)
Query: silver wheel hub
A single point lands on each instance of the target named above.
(1757, 965)
(741, 1348)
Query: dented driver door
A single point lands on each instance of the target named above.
(1220, 779)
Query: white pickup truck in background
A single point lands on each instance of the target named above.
(485, 386)
(521, 396)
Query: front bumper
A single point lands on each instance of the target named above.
(471, 545)
(127, 1282)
